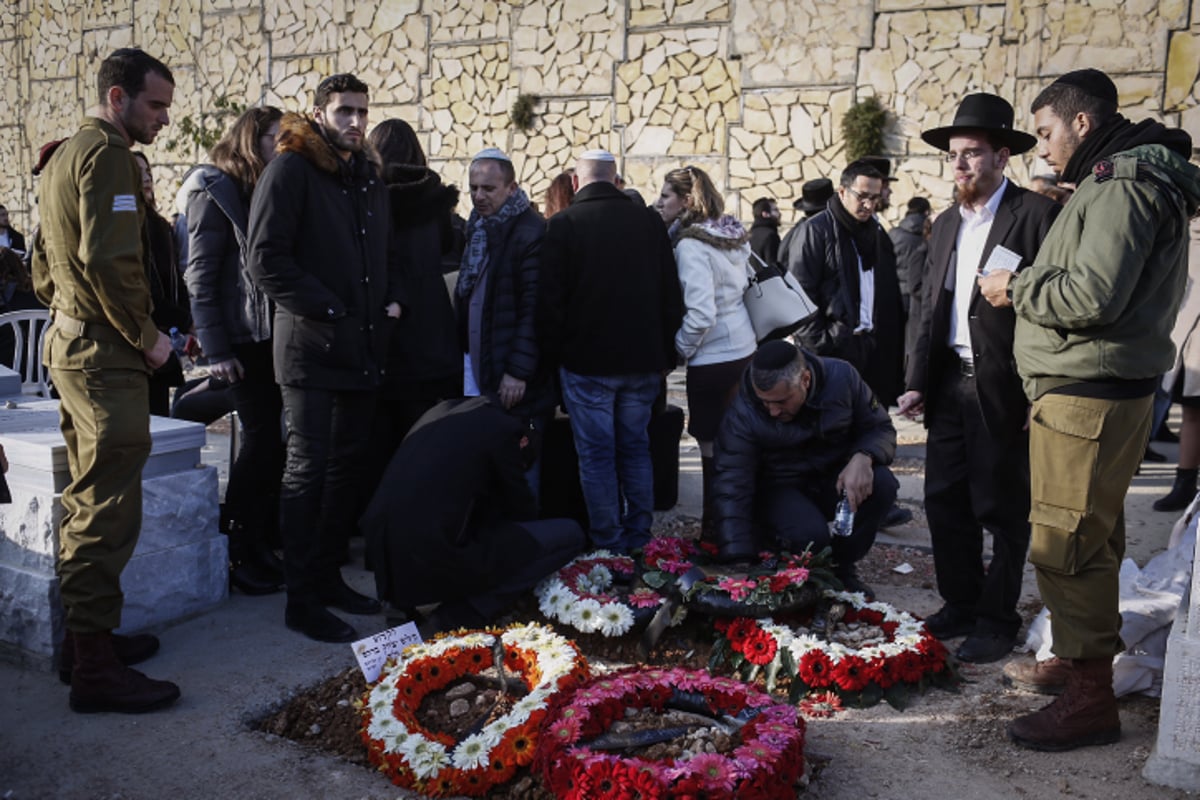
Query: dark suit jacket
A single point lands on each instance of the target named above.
(439, 527)
(1022, 220)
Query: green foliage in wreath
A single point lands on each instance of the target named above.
(862, 128)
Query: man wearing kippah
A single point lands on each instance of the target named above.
(802, 431)
(1094, 314)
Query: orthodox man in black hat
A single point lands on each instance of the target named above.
(961, 373)
(1094, 314)
(814, 196)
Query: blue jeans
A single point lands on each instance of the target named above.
(609, 419)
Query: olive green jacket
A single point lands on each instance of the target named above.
(1100, 298)
(87, 262)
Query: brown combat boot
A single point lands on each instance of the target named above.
(1084, 714)
(129, 650)
(1042, 677)
(100, 682)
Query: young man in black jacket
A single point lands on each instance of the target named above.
(319, 249)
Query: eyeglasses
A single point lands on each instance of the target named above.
(873, 199)
(970, 154)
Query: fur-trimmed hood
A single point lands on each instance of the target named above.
(417, 195)
(723, 233)
(299, 133)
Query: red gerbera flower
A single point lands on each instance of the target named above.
(760, 647)
(851, 674)
(815, 669)
(882, 670)
(739, 629)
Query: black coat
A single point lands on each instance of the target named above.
(1022, 221)
(436, 529)
(424, 345)
(841, 417)
(227, 306)
(508, 339)
(823, 258)
(612, 301)
(764, 240)
(319, 248)
(17, 241)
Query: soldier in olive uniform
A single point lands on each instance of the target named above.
(103, 345)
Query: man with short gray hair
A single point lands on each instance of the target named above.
(610, 308)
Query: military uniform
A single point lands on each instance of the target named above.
(88, 269)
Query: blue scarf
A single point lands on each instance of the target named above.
(478, 230)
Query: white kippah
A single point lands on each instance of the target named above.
(494, 153)
(598, 155)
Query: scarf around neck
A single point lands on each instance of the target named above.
(1118, 135)
(479, 229)
(863, 233)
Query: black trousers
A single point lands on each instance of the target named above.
(796, 517)
(322, 493)
(254, 478)
(976, 480)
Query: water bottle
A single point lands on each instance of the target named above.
(843, 518)
(178, 342)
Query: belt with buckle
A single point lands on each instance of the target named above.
(97, 331)
(966, 368)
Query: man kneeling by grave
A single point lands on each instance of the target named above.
(454, 521)
(803, 431)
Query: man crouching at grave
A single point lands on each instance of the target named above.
(802, 432)
(454, 520)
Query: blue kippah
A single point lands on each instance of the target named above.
(775, 354)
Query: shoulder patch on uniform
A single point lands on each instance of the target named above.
(1103, 170)
(124, 202)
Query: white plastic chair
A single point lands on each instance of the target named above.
(28, 340)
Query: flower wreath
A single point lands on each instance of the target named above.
(910, 658)
(434, 763)
(581, 595)
(778, 581)
(764, 765)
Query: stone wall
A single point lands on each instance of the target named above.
(752, 90)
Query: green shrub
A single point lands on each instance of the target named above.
(862, 128)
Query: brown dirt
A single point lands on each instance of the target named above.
(875, 752)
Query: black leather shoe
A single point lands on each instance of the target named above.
(316, 623)
(896, 515)
(984, 648)
(343, 598)
(1154, 457)
(949, 623)
(251, 579)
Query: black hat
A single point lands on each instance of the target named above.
(880, 163)
(814, 196)
(983, 112)
(1091, 82)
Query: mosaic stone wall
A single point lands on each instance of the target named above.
(753, 91)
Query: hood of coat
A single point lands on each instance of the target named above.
(913, 223)
(417, 195)
(723, 233)
(302, 135)
(1184, 174)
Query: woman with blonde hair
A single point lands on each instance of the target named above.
(233, 321)
(716, 340)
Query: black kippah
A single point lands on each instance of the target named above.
(775, 354)
(1092, 82)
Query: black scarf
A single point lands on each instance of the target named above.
(864, 233)
(1118, 135)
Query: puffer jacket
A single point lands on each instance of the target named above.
(912, 248)
(1099, 301)
(227, 307)
(508, 341)
(319, 248)
(840, 417)
(711, 257)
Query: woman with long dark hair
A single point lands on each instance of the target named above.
(424, 364)
(233, 322)
(717, 339)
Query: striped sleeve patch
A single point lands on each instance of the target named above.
(124, 202)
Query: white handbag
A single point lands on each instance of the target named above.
(776, 304)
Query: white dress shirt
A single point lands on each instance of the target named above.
(972, 237)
